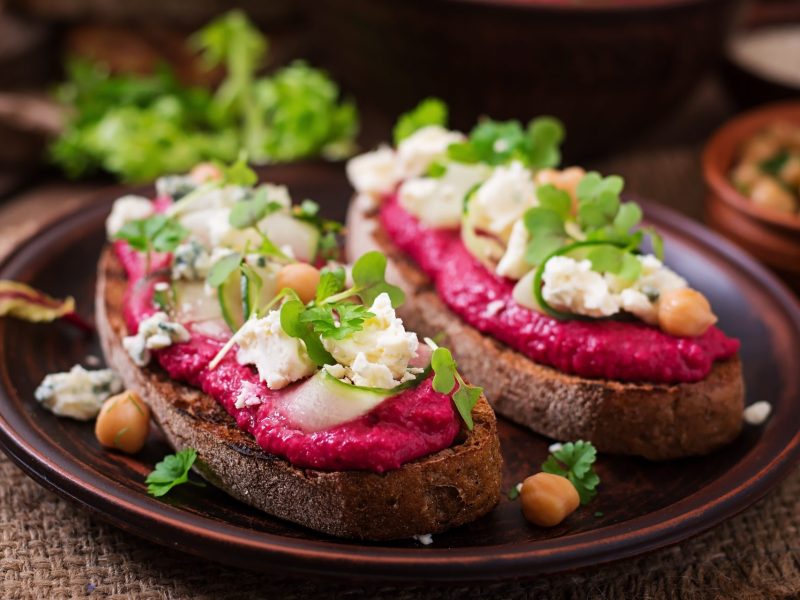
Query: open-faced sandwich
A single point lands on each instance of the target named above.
(300, 389)
(539, 281)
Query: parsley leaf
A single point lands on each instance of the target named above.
(430, 111)
(159, 233)
(575, 461)
(546, 229)
(293, 325)
(446, 376)
(347, 320)
(171, 471)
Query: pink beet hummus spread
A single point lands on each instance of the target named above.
(412, 424)
(622, 350)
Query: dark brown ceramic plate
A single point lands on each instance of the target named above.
(641, 505)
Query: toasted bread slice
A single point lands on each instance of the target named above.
(656, 421)
(451, 487)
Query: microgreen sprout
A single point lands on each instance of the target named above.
(445, 379)
(158, 233)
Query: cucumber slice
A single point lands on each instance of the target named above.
(230, 301)
(284, 230)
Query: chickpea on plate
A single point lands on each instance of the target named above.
(768, 169)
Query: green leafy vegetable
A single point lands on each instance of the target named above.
(247, 213)
(575, 461)
(774, 164)
(159, 233)
(171, 471)
(222, 269)
(513, 493)
(500, 142)
(293, 324)
(331, 282)
(546, 229)
(348, 319)
(139, 127)
(430, 111)
(445, 378)
(369, 273)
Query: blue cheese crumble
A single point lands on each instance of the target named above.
(155, 332)
(78, 393)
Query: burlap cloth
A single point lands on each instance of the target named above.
(52, 549)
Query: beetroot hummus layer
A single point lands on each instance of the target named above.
(622, 350)
(415, 423)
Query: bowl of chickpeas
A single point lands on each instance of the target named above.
(751, 167)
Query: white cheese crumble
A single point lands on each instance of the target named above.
(279, 358)
(426, 539)
(191, 261)
(155, 332)
(757, 413)
(78, 393)
(416, 153)
(555, 447)
(494, 307)
(248, 395)
(503, 199)
(126, 209)
(374, 172)
(572, 286)
(513, 264)
(175, 186)
(439, 201)
(378, 354)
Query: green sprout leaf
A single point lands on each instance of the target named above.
(172, 470)
(545, 135)
(774, 164)
(222, 269)
(546, 229)
(331, 282)
(430, 111)
(369, 274)
(347, 320)
(557, 200)
(446, 376)
(575, 461)
(628, 217)
(248, 213)
(159, 233)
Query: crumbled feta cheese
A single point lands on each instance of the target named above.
(155, 332)
(336, 371)
(248, 395)
(572, 286)
(126, 209)
(638, 304)
(378, 354)
(78, 393)
(757, 413)
(657, 278)
(279, 358)
(416, 153)
(439, 201)
(494, 307)
(503, 199)
(513, 263)
(191, 261)
(555, 447)
(375, 172)
(426, 539)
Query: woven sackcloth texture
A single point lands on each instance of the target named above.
(50, 548)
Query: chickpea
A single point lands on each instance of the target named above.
(548, 499)
(768, 193)
(745, 175)
(684, 312)
(123, 423)
(204, 172)
(302, 278)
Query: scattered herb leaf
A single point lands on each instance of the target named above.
(172, 470)
(430, 111)
(445, 378)
(575, 460)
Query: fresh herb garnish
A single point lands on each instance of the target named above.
(500, 142)
(445, 378)
(513, 493)
(172, 470)
(329, 314)
(222, 269)
(159, 233)
(328, 246)
(575, 460)
(430, 111)
(774, 164)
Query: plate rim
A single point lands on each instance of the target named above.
(197, 534)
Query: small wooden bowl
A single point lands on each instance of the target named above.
(772, 237)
